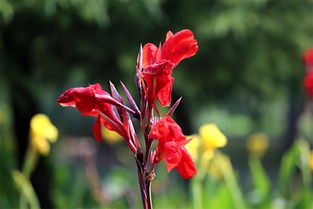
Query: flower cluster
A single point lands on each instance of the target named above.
(94, 101)
(154, 82)
(308, 79)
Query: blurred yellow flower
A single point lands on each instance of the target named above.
(311, 160)
(206, 158)
(257, 144)
(212, 137)
(220, 164)
(193, 146)
(1, 117)
(42, 131)
(110, 136)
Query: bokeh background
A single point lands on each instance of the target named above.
(246, 78)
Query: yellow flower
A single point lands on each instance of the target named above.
(110, 136)
(220, 164)
(311, 160)
(42, 131)
(257, 144)
(193, 146)
(212, 137)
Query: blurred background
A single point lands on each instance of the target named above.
(246, 78)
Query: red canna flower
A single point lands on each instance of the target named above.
(308, 84)
(93, 101)
(171, 147)
(308, 57)
(158, 63)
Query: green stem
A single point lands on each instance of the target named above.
(197, 192)
(29, 165)
(232, 184)
(30, 161)
(27, 191)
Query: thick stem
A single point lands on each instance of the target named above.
(148, 146)
(142, 160)
(149, 197)
(144, 183)
(30, 161)
(146, 135)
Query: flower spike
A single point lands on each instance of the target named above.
(153, 79)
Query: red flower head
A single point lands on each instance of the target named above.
(171, 147)
(308, 84)
(93, 101)
(308, 57)
(158, 63)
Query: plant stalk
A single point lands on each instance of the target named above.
(144, 184)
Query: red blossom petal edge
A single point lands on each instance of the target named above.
(179, 46)
(308, 84)
(158, 63)
(308, 57)
(171, 147)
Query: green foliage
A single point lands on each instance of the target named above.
(296, 157)
(26, 189)
(294, 191)
(259, 177)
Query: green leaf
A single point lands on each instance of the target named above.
(259, 176)
(298, 155)
(222, 198)
(287, 167)
(231, 181)
(304, 154)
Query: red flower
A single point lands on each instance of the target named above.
(158, 63)
(93, 101)
(308, 57)
(308, 84)
(171, 147)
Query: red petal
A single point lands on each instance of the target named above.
(97, 89)
(172, 155)
(308, 84)
(67, 98)
(85, 100)
(81, 98)
(180, 46)
(186, 166)
(97, 130)
(166, 130)
(308, 57)
(159, 69)
(157, 77)
(165, 94)
(148, 54)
